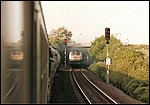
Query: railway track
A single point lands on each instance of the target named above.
(90, 92)
(14, 83)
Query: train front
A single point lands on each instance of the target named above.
(75, 58)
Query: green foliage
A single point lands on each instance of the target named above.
(117, 79)
(133, 85)
(99, 69)
(56, 39)
(57, 36)
(123, 59)
(129, 69)
(97, 48)
(142, 93)
(144, 96)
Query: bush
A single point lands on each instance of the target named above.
(125, 82)
(142, 94)
(145, 96)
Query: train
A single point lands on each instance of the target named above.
(28, 60)
(16, 58)
(16, 55)
(78, 58)
(55, 62)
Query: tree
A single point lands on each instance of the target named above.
(56, 39)
(57, 36)
(98, 48)
(129, 69)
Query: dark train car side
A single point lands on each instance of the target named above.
(54, 57)
(26, 72)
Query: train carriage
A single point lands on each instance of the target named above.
(23, 27)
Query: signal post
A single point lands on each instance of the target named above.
(65, 41)
(107, 37)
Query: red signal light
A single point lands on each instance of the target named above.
(65, 41)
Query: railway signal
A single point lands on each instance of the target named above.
(65, 41)
(107, 37)
(107, 34)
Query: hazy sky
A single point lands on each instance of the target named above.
(129, 20)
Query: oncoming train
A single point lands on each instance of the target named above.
(16, 58)
(28, 61)
(16, 55)
(78, 58)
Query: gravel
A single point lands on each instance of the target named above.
(115, 93)
(64, 92)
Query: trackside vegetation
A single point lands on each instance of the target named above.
(129, 68)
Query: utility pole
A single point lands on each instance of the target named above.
(107, 37)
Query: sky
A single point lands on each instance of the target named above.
(127, 20)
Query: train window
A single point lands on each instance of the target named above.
(77, 53)
(72, 53)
